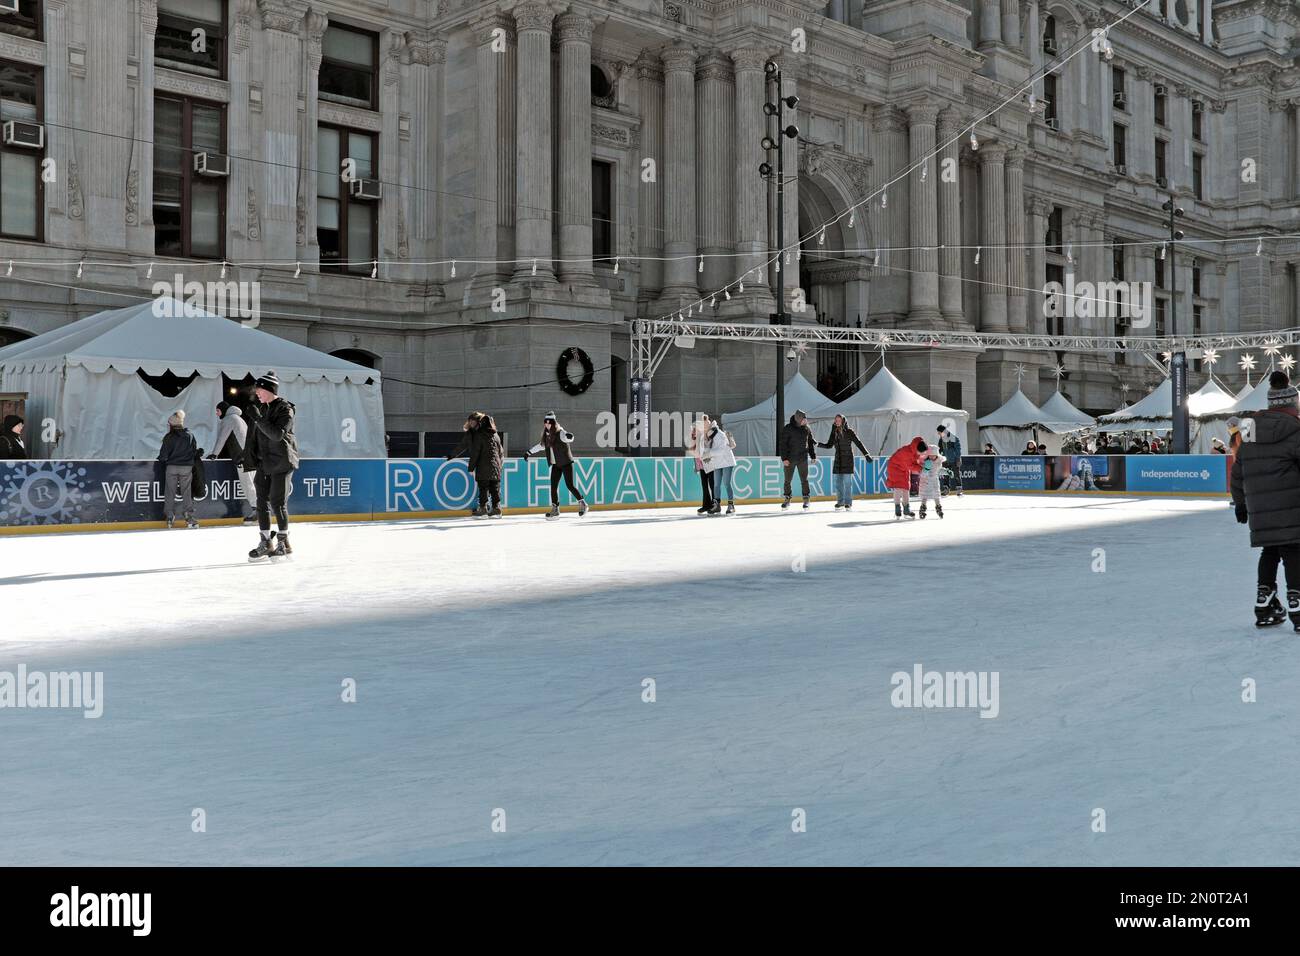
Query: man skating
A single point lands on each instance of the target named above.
(797, 447)
(950, 449)
(272, 453)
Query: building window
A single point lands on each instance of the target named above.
(1117, 259)
(348, 68)
(1162, 308)
(346, 228)
(954, 397)
(1197, 315)
(1162, 177)
(25, 22)
(1196, 281)
(1198, 175)
(602, 211)
(1119, 92)
(1121, 146)
(1160, 100)
(1049, 35)
(192, 36)
(1049, 96)
(189, 209)
(602, 91)
(1160, 272)
(22, 193)
(1198, 115)
(1054, 304)
(1053, 237)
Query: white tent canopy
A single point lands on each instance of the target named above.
(1058, 408)
(84, 378)
(886, 414)
(1016, 423)
(1247, 389)
(1155, 412)
(754, 429)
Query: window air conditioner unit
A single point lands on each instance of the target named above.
(1053, 123)
(211, 164)
(1162, 182)
(1121, 169)
(368, 189)
(1049, 46)
(1120, 102)
(27, 135)
(1161, 89)
(8, 6)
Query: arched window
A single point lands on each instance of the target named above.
(358, 357)
(10, 336)
(1049, 35)
(602, 90)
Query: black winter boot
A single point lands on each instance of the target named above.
(1293, 607)
(1268, 609)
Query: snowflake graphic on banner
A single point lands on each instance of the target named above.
(43, 493)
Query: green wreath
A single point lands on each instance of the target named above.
(568, 385)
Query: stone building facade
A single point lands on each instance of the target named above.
(550, 171)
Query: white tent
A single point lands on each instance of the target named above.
(886, 414)
(1058, 408)
(1155, 413)
(1215, 424)
(1018, 422)
(83, 377)
(1247, 389)
(755, 428)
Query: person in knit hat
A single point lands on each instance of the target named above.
(232, 437)
(1266, 495)
(178, 453)
(11, 439)
(272, 453)
(555, 442)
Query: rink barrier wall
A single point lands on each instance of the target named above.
(56, 495)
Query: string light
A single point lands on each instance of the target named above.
(81, 267)
(616, 265)
(742, 283)
(700, 267)
(1162, 251)
(853, 215)
(374, 272)
(713, 302)
(884, 199)
(1259, 246)
(11, 268)
(877, 262)
(778, 264)
(726, 295)
(297, 271)
(977, 254)
(223, 268)
(821, 240)
(925, 167)
(1069, 253)
(534, 267)
(453, 268)
(974, 143)
(149, 274)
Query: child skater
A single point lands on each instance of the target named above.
(900, 468)
(1266, 494)
(931, 487)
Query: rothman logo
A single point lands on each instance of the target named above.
(103, 910)
(946, 689)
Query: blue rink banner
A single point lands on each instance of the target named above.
(63, 493)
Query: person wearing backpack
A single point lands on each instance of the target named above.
(177, 455)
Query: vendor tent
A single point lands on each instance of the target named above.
(83, 379)
(1155, 413)
(1018, 422)
(1247, 389)
(1058, 408)
(886, 414)
(754, 429)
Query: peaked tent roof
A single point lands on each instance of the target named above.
(1254, 399)
(1247, 389)
(1058, 408)
(1019, 412)
(1209, 398)
(145, 337)
(799, 393)
(886, 393)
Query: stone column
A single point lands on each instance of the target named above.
(971, 231)
(1015, 232)
(990, 23)
(993, 213)
(426, 56)
(1011, 23)
(109, 115)
(751, 189)
(715, 222)
(678, 172)
(650, 203)
(243, 216)
(282, 26)
(533, 142)
(1295, 146)
(924, 227)
(949, 201)
(1037, 210)
(393, 244)
(307, 243)
(494, 170)
(573, 31)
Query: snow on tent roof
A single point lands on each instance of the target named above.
(144, 337)
(886, 393)
(1019, 412)
(799, 393)
(1058, 408)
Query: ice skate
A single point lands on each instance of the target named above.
(716, 509)
(171, 523)
(191, 524)
(702, 510)
(263, 549)
(1268, 609)
(838, 506)
(785, 504)
(898, 511)
(938, 509)
(1293, 607)
(553, 513)
(922, 514)
(496, 513)
(480, 515)
(281, 548)
(731, 508)
(582, 507)
(805, 504)
(909, 513)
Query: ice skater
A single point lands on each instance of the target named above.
(486, 461)
(695, 450)
(721, 460)
(931, 484)
(950, 449)
(232, 437)
(797, 448)
(272, 453)
(899, 469)
(1266, 494)
(842, 438)
(555, 442)
(177, 454)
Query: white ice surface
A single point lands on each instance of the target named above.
(499, 665)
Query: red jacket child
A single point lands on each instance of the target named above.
(904, 463)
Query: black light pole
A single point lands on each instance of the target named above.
(765, 169)
(1181, 438)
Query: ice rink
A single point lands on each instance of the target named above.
(500, 665)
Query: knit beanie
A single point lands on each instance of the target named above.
(222, 407)
(270, 383)
(1281, 392)
(177, 418)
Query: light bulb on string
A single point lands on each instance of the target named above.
(616, 265)
(149, 273)
(974, 143)
(534, 267)
(11, 268)
(1163, 246)
(977, 254)
(853, 214)
(297, 270)
(787, 257)
(1069, 253)
(778, 263)
(700, 267)
(884, 199)
(925, 168)
(1259, 246)
(877, 262)
(742, 283)
(374, 270)
(223, 268)
(81, 267)
(713, 302)
(821, 239)
(726, 295)
(453, 268)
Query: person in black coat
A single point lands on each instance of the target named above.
(1266, 494)
(11, 439)
(555, 442)
(486, 461)
(177, 455)
(797, 447)
(842, 438)
(271, 452)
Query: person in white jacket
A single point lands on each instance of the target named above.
(232, 437)
(695, 448)
(719, 457)
(931, 483)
